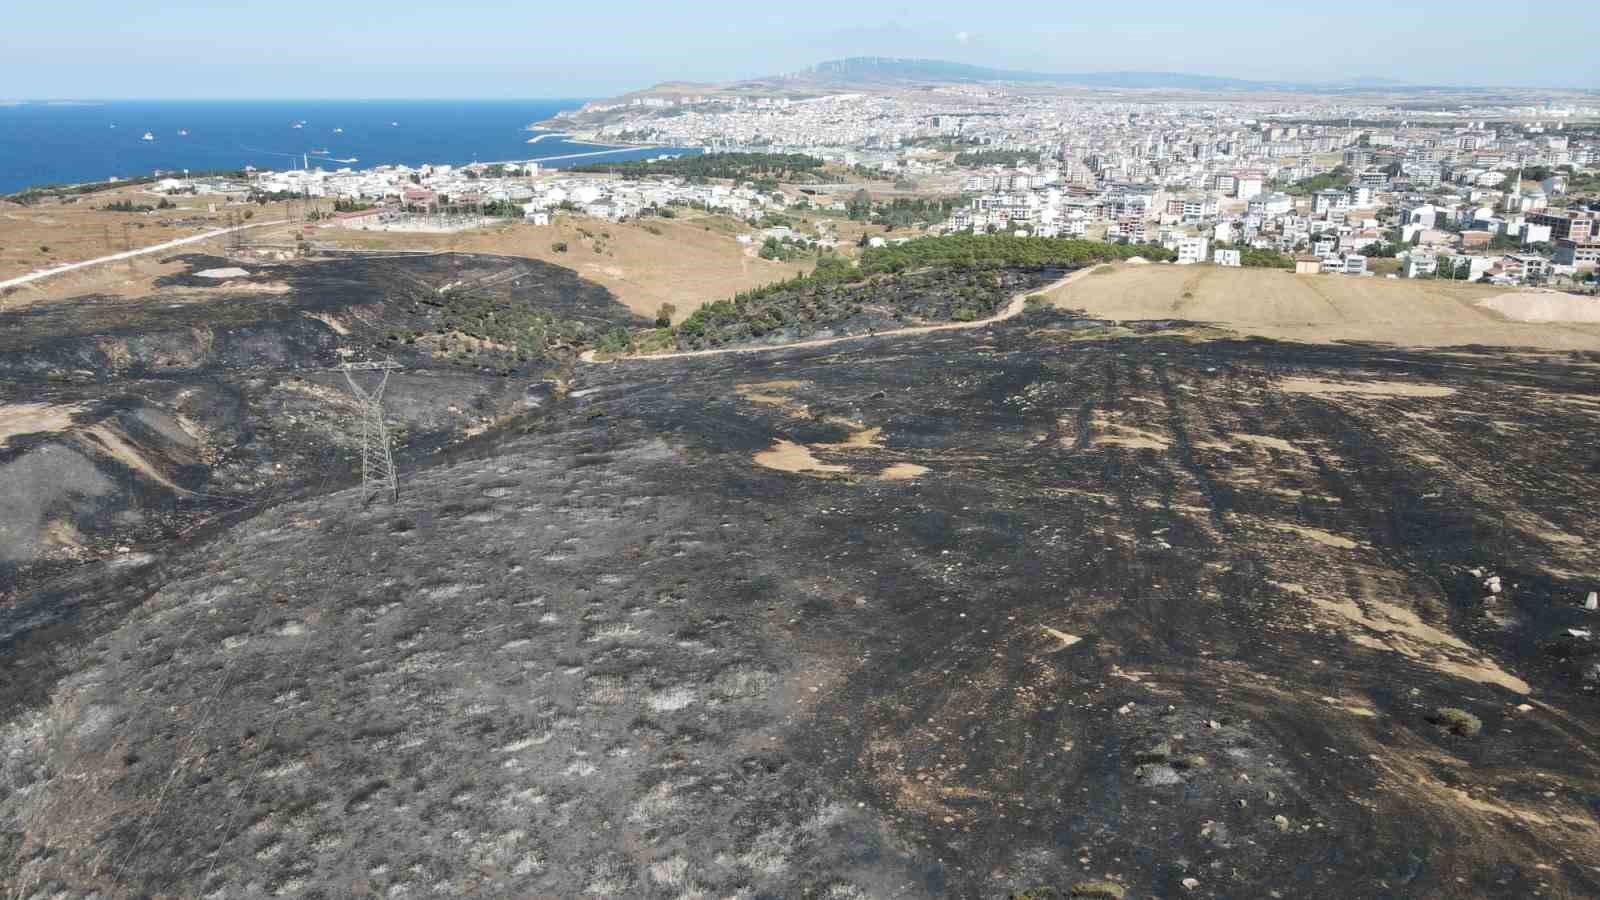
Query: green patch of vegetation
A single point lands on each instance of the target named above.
(485, 330)
(653, 340)
(1340, 177)
(129, 206)
(1256, 258)
(996, 251)
(786, 249)
(352, 204)
(559, 246)
(1104, 270)
(739, 166)
(836, 294)
(1043, 892)
(904, 212)
(1457, 721)
(997, 157)
(1109, 890)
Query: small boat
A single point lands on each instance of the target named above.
(394, 124)
(148, 137)
(183, 132)
(298, 125)
(338, 131)
(350, 160)
(319, 153)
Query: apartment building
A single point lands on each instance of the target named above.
(1566, 225)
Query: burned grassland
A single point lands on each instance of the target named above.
(127, 422)
(1028, 607)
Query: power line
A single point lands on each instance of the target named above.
(377, 453)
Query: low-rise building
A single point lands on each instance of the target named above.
(1191, 250)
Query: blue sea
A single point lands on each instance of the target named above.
(52, 143)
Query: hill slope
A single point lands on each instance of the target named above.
(952, 615)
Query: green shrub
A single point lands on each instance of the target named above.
(559, 246)
(1457, 721)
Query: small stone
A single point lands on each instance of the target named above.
(1282, 822)
(1213, 724)
(1242, 802)
(1190, 884)
(1593, 601)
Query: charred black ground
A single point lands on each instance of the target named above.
(951, 615)
(217, 395)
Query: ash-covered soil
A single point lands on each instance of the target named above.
(948, 616)
(127, 422)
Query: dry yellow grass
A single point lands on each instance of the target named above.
(75, 231)
(685, 265)
(1317, 308)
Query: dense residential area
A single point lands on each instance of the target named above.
(1503, 195)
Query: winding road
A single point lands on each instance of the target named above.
(1009, 311)
(128, 254)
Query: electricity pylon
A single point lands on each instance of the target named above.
(377, 457)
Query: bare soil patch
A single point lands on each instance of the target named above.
(1544, 306)
(33, 418)
(1366, 388)
(1320, 309)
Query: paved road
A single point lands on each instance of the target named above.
(1010, 310)
(127, 254)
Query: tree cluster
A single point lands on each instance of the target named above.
(1002, 251)
(980, 158)
(739, 166)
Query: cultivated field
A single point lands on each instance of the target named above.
(1318, 308)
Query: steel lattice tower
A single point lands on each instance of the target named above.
(377, 456)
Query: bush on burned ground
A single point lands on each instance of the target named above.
(1457, 721)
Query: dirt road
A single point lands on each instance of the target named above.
(127, 254)
(1009, 311)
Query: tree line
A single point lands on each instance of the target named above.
(999, 251)
(738, 166)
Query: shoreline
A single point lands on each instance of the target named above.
(145, 179)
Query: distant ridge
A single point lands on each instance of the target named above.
(882, 69)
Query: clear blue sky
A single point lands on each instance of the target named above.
(472, 48)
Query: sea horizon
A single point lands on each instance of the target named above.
(46, 142)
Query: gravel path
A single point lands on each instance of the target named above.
(127, 254)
